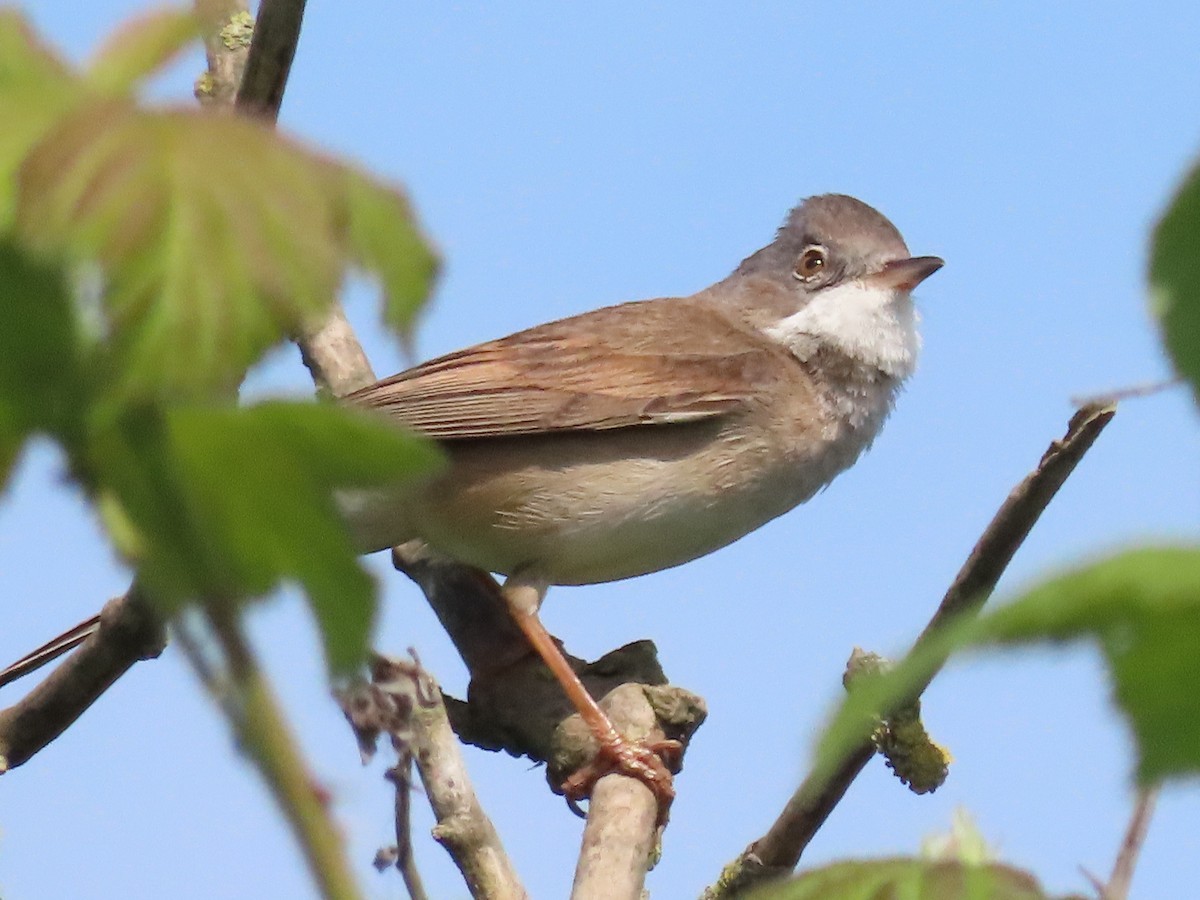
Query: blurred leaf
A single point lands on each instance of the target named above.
(35, 90)
(1143, 607)
(226, 503)
(963, 843)
(1175, 279)
(218, 238)
(384, 238)
(24, 60)
(140, 46)
(42, 387)
(10, 442)
(906, 879)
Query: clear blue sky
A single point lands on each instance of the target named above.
(567, 158)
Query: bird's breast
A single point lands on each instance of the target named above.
(582, 508)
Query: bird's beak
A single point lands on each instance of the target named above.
(906, 274)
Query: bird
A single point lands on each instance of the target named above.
(637, 437)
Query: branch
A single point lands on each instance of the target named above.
(404, 702)
(619, 838)
(514, 707)
(778, 851)
(128, 631)
(463, 828)
(276, 35)
(227, 28)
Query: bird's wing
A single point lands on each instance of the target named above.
(651, 363)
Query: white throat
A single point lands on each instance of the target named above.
(874, 326)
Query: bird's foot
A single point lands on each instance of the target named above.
(650, 762)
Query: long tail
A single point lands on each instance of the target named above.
(50, 651)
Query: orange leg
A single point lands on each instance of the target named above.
(639, 760)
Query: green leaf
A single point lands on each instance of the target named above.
(42, 387)
(1175, 279)
(963, 843)
(1143, 607)
(906, 879)
(10, 443)
(217, 237)
(227, 503)
(35, 91)
(141, 46)
(384, 238)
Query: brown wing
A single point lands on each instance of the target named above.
(655, 362)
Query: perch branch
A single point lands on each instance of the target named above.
(514, 707)
(619, 838)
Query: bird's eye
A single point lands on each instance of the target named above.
(811, 264)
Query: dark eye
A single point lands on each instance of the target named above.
(811, 264)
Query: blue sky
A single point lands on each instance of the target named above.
(564, 159)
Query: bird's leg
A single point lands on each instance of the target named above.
(637, 759)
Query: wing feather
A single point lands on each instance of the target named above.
(656, 362)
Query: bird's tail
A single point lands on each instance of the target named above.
(50, 651)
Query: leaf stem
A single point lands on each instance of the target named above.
(1131, 847)
(256, 719)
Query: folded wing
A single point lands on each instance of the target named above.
(657, 362)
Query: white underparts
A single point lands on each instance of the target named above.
(874, 326)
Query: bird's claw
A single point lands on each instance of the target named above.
(650, 762)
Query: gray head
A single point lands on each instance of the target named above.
(840, 276)
(846, 239)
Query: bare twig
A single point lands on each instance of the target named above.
(404, 702)
(1131, 392)
(618, 842)
(401, 776)
(777, 852)
(463, 827)
(1131, 847)
(333, 355)
(386, 705)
